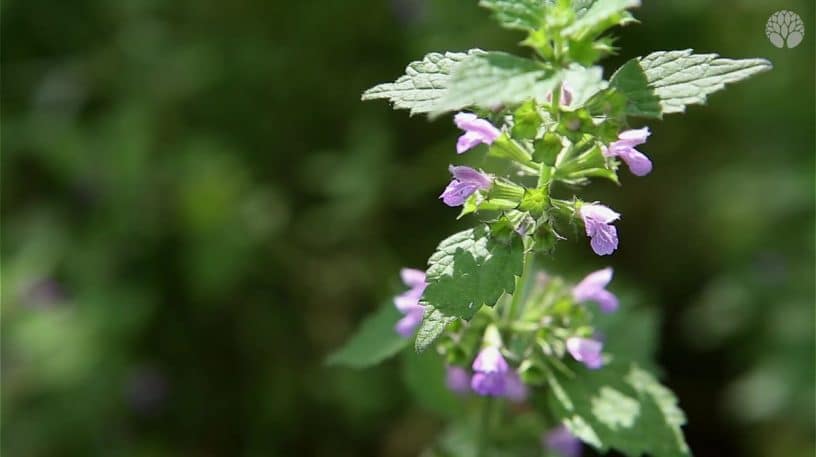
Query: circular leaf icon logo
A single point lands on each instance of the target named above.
(785, 28)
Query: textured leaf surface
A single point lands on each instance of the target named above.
(470, 269)
(423, 84)
(598, 17)
(375, 340)
(665, 82)
(433, 324)
(583, 83)
(620, 406)
(496, 78)
(517, 14)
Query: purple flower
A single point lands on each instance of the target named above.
(598, 222)
(457, 379)
(476, 131)
(566, 94)
(593, 288)
(408, 302)
(514, 388)
(465, 182)
(638, 163)
(586, 351)
(489, 373)
(560, 441)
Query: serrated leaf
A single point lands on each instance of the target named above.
(620, 406)
(665, 82)
(517, 14)
(423, 84)
(433, 324)
(600, 16)
(495, 79)
(375, 340)
(581, 6)
(470, 269)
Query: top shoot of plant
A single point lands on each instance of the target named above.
(528, 348)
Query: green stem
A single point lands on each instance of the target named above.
(521, 284)
(484, 426)
(544, 176)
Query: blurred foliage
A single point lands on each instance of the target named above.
(197, 208)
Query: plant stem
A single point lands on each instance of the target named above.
(521, 284)
(484, 427)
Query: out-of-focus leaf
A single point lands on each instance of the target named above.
(621, 407)
(375, 341)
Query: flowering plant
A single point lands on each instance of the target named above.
(508, 332)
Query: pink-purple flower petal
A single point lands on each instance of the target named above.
(457, 379)
(408, 302)
(598, 223)
(489, 373)
(586, 351)
(477, 131)
(624, 148)
(466, 181)
(562, 442)
(593, 288)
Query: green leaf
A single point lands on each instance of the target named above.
(620, 406)
(631, 331)
(602, 15)
(433, 324)
(517, 14)
(424, 83)
(375, 341)
(496, 78)
(665, 82)
(583, 83)
(468, 270)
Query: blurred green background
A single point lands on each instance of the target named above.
(197, 208)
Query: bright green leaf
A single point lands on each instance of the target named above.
(583, 83)
(602, 15)
(517, 14)
(468, 270)
(496, 78)
(433, 324)
(423, 84)
(375, 341)
(665, 82)
(619, 406)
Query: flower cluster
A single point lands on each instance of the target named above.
(503, 328)
(489, 373)
(596, 218)
(492, 376)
